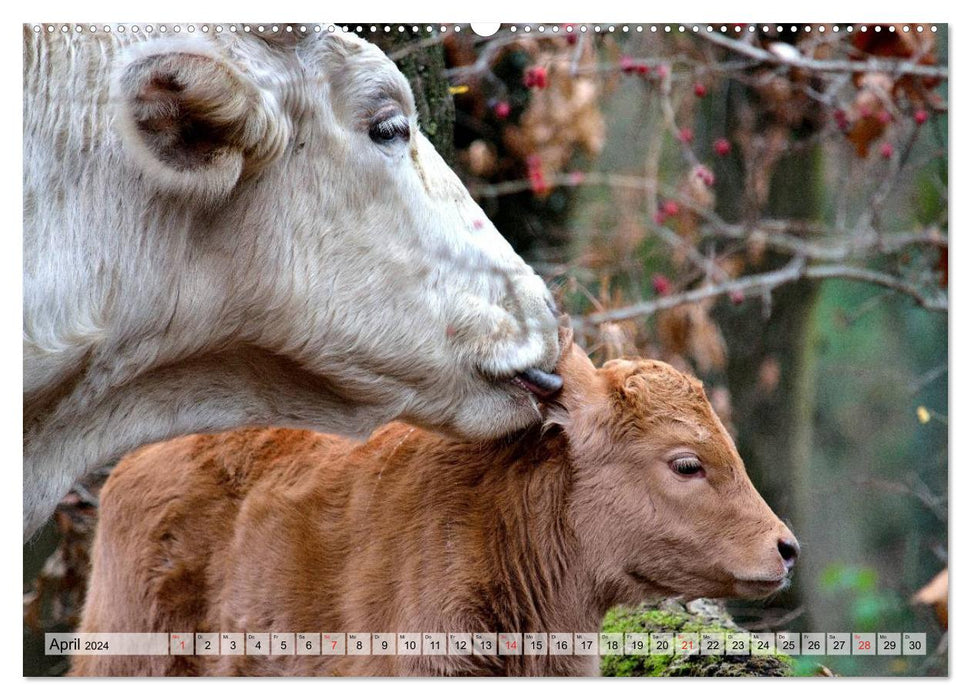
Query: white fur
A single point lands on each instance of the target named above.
(311, 278)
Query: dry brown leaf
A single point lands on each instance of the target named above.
(480, 158)
(934, 594)
(769, 375)
(617, 340)
(688, 330)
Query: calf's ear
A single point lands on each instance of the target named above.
(626, 383)
(194, 124)
(581, 385)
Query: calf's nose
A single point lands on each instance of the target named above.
(789, 550)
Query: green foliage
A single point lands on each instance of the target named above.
(837, 578)
(868, 608)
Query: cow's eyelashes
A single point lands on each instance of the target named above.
(386, 129)
(687, 466)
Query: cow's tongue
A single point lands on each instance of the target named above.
(543, 384)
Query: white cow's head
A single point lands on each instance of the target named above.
(332, 233)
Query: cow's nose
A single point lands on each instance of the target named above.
(789, 549)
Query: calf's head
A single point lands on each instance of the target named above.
(330, 230)
(663, 506)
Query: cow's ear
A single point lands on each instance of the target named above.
(193, 123)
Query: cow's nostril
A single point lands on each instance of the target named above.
(789, 549)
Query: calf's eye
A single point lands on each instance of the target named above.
(687, 466)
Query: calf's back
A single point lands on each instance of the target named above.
(293, 531)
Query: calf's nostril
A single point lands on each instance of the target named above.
(789, 549)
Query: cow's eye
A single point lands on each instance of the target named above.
(687, 466)
(386, 128)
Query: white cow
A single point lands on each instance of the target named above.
(232, 230)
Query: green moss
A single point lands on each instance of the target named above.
(670, 616)
(644, 619)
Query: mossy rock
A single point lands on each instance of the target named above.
(672, 616)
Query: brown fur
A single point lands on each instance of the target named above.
(291, 531)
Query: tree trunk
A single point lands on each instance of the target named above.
(775, 420)
(425, 69)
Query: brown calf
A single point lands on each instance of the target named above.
(633, 490)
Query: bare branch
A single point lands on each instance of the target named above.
(839, 248)
(421, 44)
(927, 378)
(577, 55)
(937, 302)
(768, 280)
(777, 622)
(764, 283)
(811, 64)
(934, 503)
(705, 265)
(786, 236)
(483, 62)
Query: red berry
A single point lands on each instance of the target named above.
(643, 69)
(705, 174)
(686, 135)
(883, 116)
(865, 113)
(886, 150)
(666, 210)
(700, 90)
(536, 77)
(627, 64)
(722, 146)
(842, 122)
(737, 296)
(537, 178)
(920, 116)
(501, 109)
(661, 284)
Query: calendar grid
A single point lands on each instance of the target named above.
(487, 643)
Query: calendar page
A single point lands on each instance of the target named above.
(557, 349)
